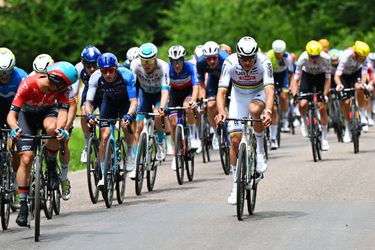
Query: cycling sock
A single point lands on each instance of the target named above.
(87, 137)
(130, 149)
(273, 132)
(260, 142)
(135, 150)
(285, 116)
(197, 132)
(22, 193)
(324, 132)
(168, 138)
(102, 167)
(347, 124)
(160, 137)
(64, 171)
(234, 173)
(362, 111)
(191, 129)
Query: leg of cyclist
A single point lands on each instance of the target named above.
(305, 87)
(361, 100)
(85, 128)
(275, 124)
(211, 91)
(128, 110)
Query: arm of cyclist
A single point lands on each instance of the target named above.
(12, 120)
(71, 113)
(129, 117)
(220, 103)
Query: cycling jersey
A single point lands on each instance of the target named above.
(155, 81)
(9, 90)
(246, 82)
(286, 62)
(348, 65)
(123, 88)
(203, 67)
(185, 79)
(83, 75)
(30, 98)
(323, 65)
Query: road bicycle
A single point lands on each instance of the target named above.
(335, 114)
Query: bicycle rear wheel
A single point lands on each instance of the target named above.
(6, 193)
(312, 134)
(224, 149)
(151, 174)
(46, 192)
(121, 172)
(108, 187)
(190, 167)
(241, 180)
(37, 184)
(251, 191)
(93, 170)
(140, 163)
(180, 148)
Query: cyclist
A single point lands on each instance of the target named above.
(325, 44)
(313, 70)
(198, 51)
(352, 71)
(211, 62)
(252, 93)
(225, 47)
(153, 76)
(370, 102)
(282, 65)
(41, 63)
(131, 54)
(119, 100)
(33, 108)
(10, 78)
(183, 92)
(86, 67)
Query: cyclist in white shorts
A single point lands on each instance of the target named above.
(252, 93)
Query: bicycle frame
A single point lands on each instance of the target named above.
(148, 129)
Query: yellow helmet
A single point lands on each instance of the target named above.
(313, 48)
(361, 48)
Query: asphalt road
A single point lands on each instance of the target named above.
(300, 205)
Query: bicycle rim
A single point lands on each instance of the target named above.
(151, 174)
(92, 169)
(251, 193)
(190, 166)
(241, 180)
(108, 174)
(312, 135)
(224, 151)
(37, 183)
(180, 155)
(5, 199)
(140, 164)
(121, 173)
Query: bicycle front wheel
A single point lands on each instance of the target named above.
(37, 184)
(241, 180)
(93, 170)
(140, 163)
(6, 193)
(312, 134)
(121, 172)
(108, 187)
(355, 128)
(224, 149)
(251, 191)
(180, 149)
(190, 167)
(151, 174)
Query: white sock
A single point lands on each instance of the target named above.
(102, 167)
(87, 138)
(324, 132)
(197, 132)
(64, 171)
(285, 116)
(130, 149)
(347, 124)
(260, 142)
(191, 129)
(274, 131)
(362, 111)
(234, 173)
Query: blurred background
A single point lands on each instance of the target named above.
(62, 28)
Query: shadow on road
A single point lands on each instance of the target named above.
(263, 215)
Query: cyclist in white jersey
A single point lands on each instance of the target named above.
(153, 77)
(313, 70)
(352, 71)
(252, 93)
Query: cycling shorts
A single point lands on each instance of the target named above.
(281, 81)
(146, 101)
(212, 86)
(177, 98)
(310, 81)
(348, 81)
(113, 108)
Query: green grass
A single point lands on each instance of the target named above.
(76, 144)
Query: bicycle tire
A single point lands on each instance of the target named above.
(121, 172)
(56, 195)
(140, 163)
(190, 167)
(37, 200)
(338, 120)
(224, 150)
(311, 118)
(241, 180)
(46, 194)
(355, 128)
(93, 170)
(180, 154)
(251, 192)
(108, 187)
(265, 146)
(151, 174)
(6, 195)
(203, 136)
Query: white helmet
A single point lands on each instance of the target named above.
(247, 47)
(133, 53)
(198, 51)
(7, 60)
(176, 52)
(148, 51)
(210, 48)
(278, 46)
(42, 62)
(371, 56)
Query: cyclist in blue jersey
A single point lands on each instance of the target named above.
(211, 62)
(86, 67)
(119, 101)
(184, 87)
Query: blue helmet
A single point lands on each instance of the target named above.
(107, 60)
(62, 72)
(90, 54)
(148, 51)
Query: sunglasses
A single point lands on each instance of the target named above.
(247, 58)
(6, 73)
(90, 64)
(314, 57)
(55, 79)
(147, 62)
(108, 70)
(177, 62)
(360, 58)
(211, 58)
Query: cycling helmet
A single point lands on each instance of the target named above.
(62, 72)
(41, 63)
(324, 42)
(371, 56)
(198, 51)
(7, 61)
(313, 48)
(334, 54)
(210, 48)
(90, 54)
(226, 47)
(247, 47)
(176, 52)
(148, 51)
(133, 53)
(107, 60)
(278, 46)
(361, 48)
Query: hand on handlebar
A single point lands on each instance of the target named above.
(266, 119)
(220, 118)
